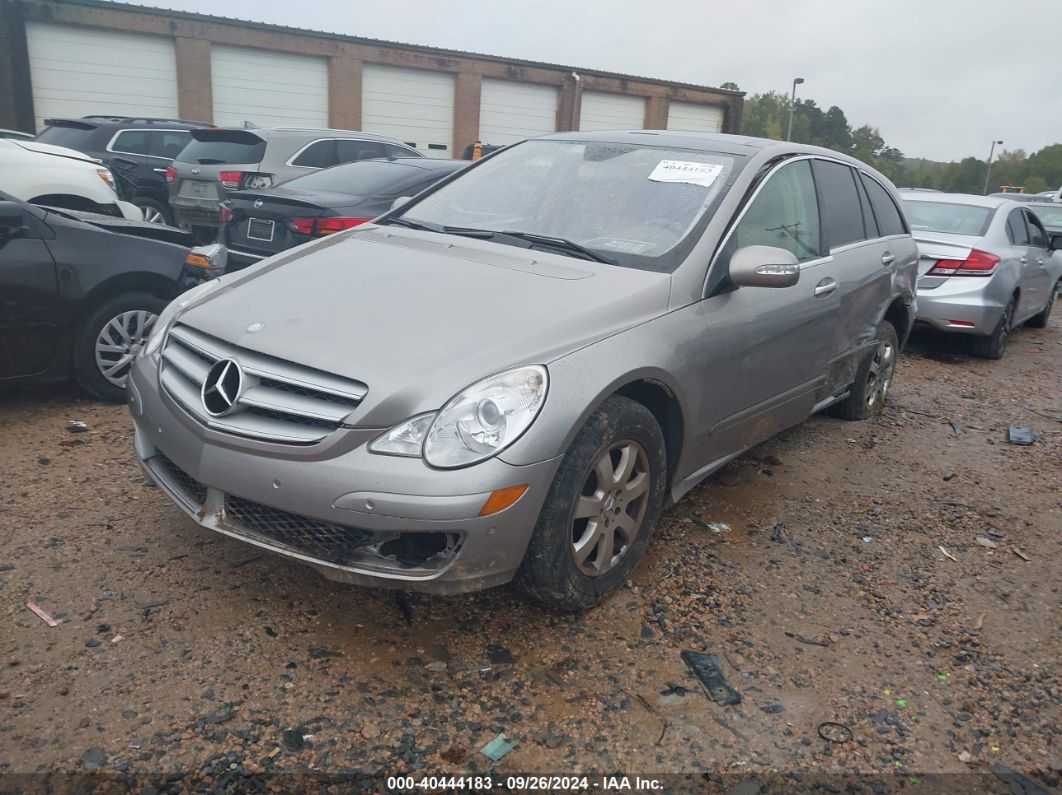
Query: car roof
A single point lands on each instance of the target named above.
(992, 202)
(100, 120)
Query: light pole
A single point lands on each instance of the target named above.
(792, 101)
(988, 171)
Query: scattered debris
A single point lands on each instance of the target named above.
(986, 542)
(709, 672)
(244, 561)
(499, 655)
(956, 429)
(776, 533)
(93, 758)
(1020, 554)
(498, 747)
(76, 426)
(726, 726)
(947, 554)
(319, 653)
(715, 527)
(71, 442)
(47, 619)
(809, 641)
(111, 596)
(834, 732)
(966, 757)
(773, 709)
(293, 740)
(1020, 435)
(147, 607)
(436, 667)
(979, 621)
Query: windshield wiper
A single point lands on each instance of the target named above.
(413, 224)
(560, 243)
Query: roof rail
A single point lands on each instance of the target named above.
(147, 119)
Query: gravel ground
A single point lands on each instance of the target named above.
(851, 589)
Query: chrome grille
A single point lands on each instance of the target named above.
(316, 539)
(281, 401)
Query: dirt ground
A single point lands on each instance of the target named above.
(851, 589)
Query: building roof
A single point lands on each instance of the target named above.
(190, 15)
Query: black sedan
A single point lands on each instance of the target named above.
(257, 224)
(79, 293)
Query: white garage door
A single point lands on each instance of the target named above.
(270, 89)
(510, 112)
(84, 72)
(694, 116)
(611, 112)
(411, 105)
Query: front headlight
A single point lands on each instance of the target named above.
(167, 316)
(476, 424)
(107, 177)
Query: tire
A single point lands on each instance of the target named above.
(874, 377)
(129, 314)
(154, 212)
(994, 345)
(619, 431)
(1040, 319)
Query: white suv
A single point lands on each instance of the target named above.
(59, 177)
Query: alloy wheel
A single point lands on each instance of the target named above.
(119, 341)
(610, 510)
(882, 370)
(153, 216)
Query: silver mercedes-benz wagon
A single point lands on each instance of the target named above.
(510, 375)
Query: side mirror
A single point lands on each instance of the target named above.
(400, 201)
(764, 266)
(1054, 241)
(11, 219)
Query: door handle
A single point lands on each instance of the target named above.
(159, 170)
(887, 258)
(825, 287)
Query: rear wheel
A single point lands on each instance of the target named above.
(109, 340)
(995, 344)
(154, 212)
(1040, 319)
(600, 510)
(873, 378)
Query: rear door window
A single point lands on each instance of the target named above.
(842, 216)
(398, 151)
(784, 214)
(1016, 231)
(131, 142)
(319, 154)
(890, 220)
(349, 151)
(168, 143)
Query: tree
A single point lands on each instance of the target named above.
(730, 86)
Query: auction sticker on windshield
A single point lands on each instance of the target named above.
(686, 171)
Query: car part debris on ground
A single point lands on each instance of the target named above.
(709, 672)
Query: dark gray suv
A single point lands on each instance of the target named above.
(221, 160)
(512, 374)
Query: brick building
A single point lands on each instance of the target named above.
(82, 57)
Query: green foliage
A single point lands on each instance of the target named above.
(767, 116)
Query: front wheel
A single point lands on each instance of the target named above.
(600, 510)
(873, 378)
(109, 340)
(154, 212)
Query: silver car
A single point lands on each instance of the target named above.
(513, 373)
(987, 265)
(221, 160)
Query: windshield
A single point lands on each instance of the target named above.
(629, 204)
(70, 137)
(1048, 215)
(366, 178)
(223, 147)
(951, 219)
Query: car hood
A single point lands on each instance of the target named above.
(418, 316)
(58, 151)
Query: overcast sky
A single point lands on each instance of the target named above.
(940, 78)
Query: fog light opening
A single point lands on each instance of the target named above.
(416, 549)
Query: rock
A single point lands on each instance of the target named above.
(93, 759)
(92, 643)
(370, 731)
(293, 740)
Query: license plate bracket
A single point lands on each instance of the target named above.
(260, 229)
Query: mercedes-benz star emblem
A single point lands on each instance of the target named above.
(222, 387)
(257, 203)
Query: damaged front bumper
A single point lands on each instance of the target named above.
(371, 520)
